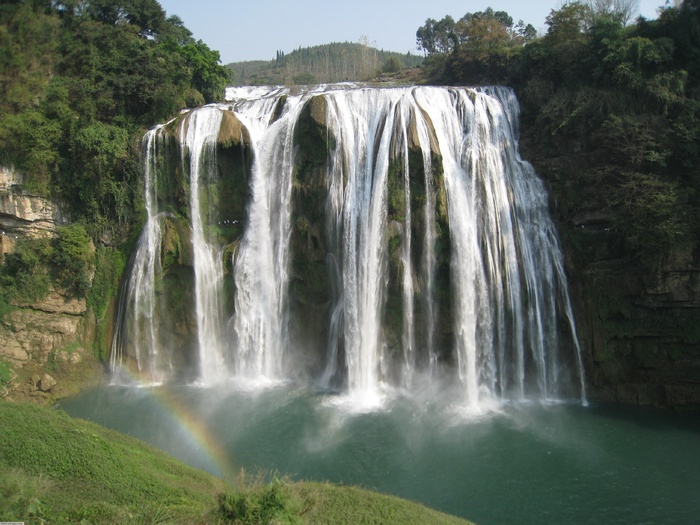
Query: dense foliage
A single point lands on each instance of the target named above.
(78, 81)
(336, 62)
(27, 276)
(612, 112)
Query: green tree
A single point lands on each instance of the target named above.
(392, 65)
(437, 37)
(208, 76)
(570, 23)
(487, 44)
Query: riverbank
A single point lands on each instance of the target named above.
(57, 469)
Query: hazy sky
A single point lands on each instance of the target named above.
(256, 29)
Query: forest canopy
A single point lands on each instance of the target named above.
(79, 81)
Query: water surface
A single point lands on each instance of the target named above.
(522, 463)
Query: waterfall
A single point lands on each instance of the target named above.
(261, 265)
(140, 329)
(425, 237)
(429, 238)
(406, 253)
(200, 132)
(360, 210)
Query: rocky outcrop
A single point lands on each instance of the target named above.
(31, 334)
(24, 214)
(51, 334)
(56, 341)
(46, 383)
(56, 302)
(642, 328)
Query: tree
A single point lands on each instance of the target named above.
(437, 36)
(480, 37)
(486, 44)
(148, 15)
(526, 32)
(392, 65)
(500, 16)
(174, 29)
(622, 11)
(208, 76)
(569, 23)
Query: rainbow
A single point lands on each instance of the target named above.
(195, 433)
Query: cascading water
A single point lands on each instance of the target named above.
(262, 261)
(200, 132)
(406, 262)
(436, 250)
(360, 209)
(141, 326)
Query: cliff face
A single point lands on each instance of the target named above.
(639, 316)
(641, 324)
(52, 336)
(23, 214)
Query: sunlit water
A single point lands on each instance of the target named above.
(524, 463)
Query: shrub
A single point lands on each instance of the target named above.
(256, 503)
(73, 257)
(25, 272)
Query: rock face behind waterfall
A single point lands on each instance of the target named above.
(359, 237)
(172, 319)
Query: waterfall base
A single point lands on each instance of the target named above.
(528, 462)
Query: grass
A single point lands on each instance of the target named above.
(4, 372)
(56, 469)
(341, 505)
(63, 470)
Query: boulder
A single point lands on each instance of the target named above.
(46, 383)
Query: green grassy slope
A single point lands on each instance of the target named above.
(66, 470)
(339, 505)
(56, 469)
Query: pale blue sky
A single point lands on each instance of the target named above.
(256, 29)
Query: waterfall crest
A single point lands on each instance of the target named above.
(387, 235)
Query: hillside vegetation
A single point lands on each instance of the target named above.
(611, 112)
(79, 81)
(336, 62)
(79, 84)
(59, 470)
